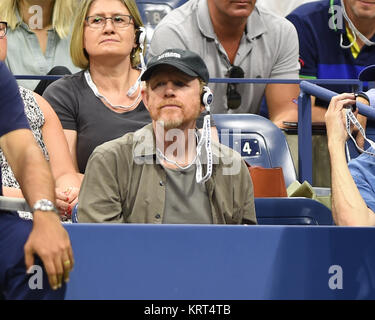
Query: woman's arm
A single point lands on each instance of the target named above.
(64, 171)
(71, 138)
(12, 192)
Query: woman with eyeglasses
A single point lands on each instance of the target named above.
(102, 102)
(39, 38)
(48, 133)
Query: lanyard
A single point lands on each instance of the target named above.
(205, 141)
(350, 118)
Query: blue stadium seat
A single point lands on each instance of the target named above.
(75, 213)
(292, 211)
(258, 140)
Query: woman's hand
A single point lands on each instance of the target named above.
(66, 199)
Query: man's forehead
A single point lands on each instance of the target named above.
(170, 72)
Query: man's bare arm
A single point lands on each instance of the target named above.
(348, 206)
(48, 239)
(281, 102)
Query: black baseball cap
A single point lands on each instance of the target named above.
(184, 60)
(367, 74)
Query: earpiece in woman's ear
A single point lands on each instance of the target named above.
(141, 35)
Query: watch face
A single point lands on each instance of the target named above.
(44, 205)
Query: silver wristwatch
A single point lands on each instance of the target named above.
(44, 205)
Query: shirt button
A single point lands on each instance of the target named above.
(157, 216)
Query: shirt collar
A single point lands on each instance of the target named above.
(255, 25)
(20, 21)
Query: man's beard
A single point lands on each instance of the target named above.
(171, 123)
(172, 119)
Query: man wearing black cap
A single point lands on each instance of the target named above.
(167, 172)
(353, 184)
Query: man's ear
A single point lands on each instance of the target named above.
(202, 108)
(145, 96)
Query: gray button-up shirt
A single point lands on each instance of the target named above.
(269, 49)
(25, 57)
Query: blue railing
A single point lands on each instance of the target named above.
(288, 81)
(30, 77)
(308, 87)
(231, 80)
(307, 90)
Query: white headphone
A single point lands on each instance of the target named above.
(141, 36)
(207, 97)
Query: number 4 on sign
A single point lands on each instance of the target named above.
(246, 148)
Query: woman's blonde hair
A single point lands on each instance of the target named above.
(62, 16)
(79, 55)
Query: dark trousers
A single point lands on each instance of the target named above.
(14, 281)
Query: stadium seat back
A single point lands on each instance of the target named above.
(292, 211)
(258, 140)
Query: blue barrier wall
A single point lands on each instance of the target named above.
(221, 262)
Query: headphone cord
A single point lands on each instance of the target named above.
(95, 90)
(350, 118)
(204, 141)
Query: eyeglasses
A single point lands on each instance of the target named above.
(3, 29)
(119, 21)
(233, 96)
